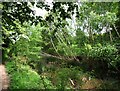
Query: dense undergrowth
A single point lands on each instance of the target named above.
(96, 69)
(22, 76)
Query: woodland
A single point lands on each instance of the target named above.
(75, 45)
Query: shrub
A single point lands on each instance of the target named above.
(64, 75)
(100, 58)
(106, 53)
(23, 77)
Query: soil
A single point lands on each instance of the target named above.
(4, 81)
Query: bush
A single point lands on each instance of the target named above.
(64, 75)
(110, 84)
(100, 58)
(23, 77)
(106, 53)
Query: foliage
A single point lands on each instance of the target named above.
(23, 77)
(106, 52)
(32, 43)
(111, 84)
(97, 18)
(100, 59)
(11, 12)
(64, 75)
(22, 12)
